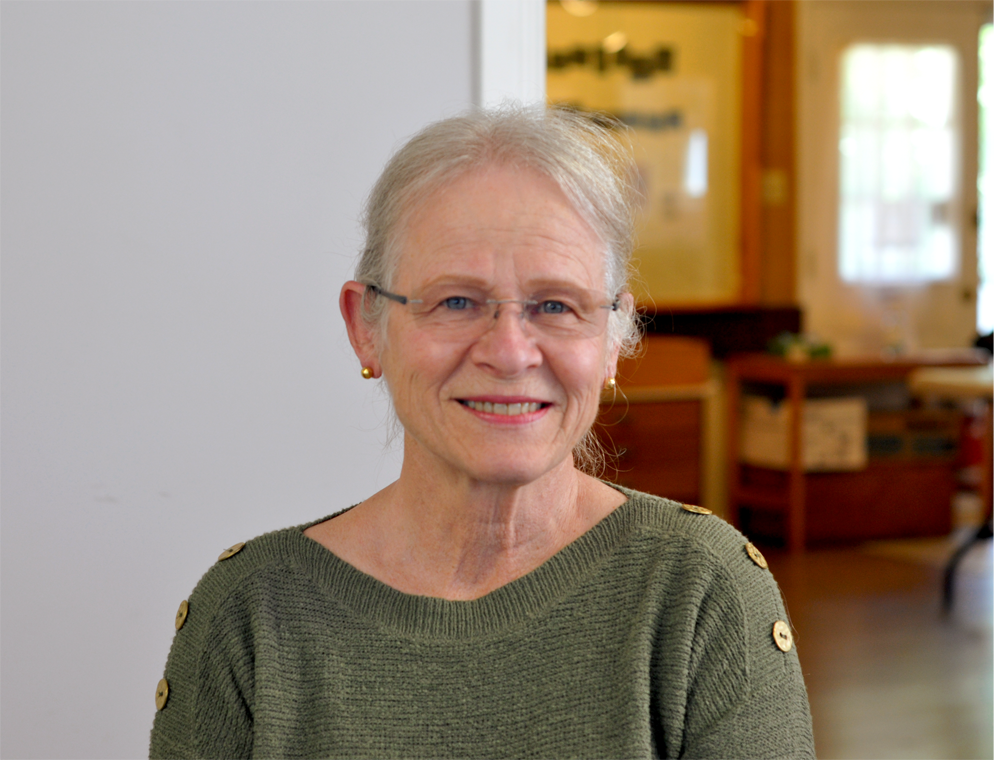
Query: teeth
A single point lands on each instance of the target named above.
(505, 409)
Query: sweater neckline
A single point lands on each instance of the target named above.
(510, 605)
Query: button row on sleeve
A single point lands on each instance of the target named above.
(163, 688)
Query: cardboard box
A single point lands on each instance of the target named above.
(834, 435)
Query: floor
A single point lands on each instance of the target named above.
(890, 676)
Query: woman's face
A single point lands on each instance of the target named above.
(507, 234)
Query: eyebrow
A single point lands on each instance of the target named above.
(455, 280)
(532, 286)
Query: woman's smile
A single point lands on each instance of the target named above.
(506, 410)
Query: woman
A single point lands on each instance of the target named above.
(495, 601)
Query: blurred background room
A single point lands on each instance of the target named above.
(818, 260)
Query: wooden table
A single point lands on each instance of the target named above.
(795, 378)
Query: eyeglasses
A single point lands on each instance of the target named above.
(465, 313)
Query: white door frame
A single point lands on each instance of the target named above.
(510, 56)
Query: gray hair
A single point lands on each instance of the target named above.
(583, 153)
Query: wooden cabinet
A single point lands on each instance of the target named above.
(890, 498)
(658, 445)
(904, 495)
(651, 424)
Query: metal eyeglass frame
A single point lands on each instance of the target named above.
(495, 301)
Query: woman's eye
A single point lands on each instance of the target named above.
(457, 303)
(553, 307)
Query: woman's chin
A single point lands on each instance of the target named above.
(513, 470)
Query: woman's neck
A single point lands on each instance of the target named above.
(457, 538)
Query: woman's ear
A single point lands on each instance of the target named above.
(363, 338)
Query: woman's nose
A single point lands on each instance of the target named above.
(508, 346)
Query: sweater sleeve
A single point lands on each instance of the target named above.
(209, 675)
(746, 697)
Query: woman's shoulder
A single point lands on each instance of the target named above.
(704, 562)
(688, 551)
(696, 527)
(712, 591)
(237, 567)
(234, 609)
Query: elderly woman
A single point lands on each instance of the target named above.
(494, 601)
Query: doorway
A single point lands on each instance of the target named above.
(888, 241)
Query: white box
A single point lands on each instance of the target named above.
(834, 435)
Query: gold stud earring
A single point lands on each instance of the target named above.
(367, 373)
(610, 384)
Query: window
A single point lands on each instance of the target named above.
(898, 164)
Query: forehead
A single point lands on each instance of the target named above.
(499, 224)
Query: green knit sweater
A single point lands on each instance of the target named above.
(651, 635)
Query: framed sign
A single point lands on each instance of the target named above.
(674, 74)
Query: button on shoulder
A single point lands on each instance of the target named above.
(162, 692)
(181, 617)
(782, 636)
(754, 553)
(232, 550)
(695, 509)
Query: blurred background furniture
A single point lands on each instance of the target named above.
(654, 421)
(963, 384)
(902, 488)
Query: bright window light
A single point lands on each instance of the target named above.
(898, 164)
(696, 165)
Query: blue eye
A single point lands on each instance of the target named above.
(553, 307)
(458, 303)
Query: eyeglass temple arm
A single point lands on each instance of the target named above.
(391, 296)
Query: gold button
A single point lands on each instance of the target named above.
(162, 690)
(782, 635)
(182, 615)
(755, 555)
(234, 549)
(696, 510)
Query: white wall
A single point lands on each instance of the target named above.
(180, 189)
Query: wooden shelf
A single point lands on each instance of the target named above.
(836, 505)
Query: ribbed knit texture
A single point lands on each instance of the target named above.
(651, 635)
